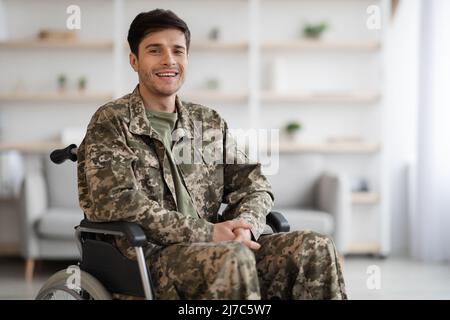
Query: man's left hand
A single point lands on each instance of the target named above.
(244, 236)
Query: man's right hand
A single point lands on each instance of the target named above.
(223, 231)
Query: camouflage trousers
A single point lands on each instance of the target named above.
(293, 265)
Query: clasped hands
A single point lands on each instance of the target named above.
(236, 230)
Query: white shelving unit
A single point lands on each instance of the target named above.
(334, 87)
(254, 34)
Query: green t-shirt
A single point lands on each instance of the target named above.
(164, 123)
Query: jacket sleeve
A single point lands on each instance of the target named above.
(110, 191)
(246, 190)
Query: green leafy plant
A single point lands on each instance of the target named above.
(212, 84)
(82, 83)
(293, 126)
(314, 31)
(214, 33)
(62, 81)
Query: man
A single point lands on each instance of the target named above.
(129, 169)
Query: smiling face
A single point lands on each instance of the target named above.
(161, 62)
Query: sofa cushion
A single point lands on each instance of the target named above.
(62, 184)
(308, 219)
(59, 223)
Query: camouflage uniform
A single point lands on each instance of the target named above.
(122, 175)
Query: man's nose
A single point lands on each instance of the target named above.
(168, 59)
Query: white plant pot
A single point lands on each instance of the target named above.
(293, 137)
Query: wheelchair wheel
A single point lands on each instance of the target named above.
(57, 288)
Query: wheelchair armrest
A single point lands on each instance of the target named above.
(132, 231)
(277, 222)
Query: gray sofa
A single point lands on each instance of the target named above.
(49, 212)
(312, 198)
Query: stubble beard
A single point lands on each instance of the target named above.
(153, 88)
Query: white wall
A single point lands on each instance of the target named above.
(402, 99)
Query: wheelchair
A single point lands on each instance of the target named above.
(102, 269)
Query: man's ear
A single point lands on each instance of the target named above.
(134, 61)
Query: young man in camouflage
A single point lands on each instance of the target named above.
(129, 169)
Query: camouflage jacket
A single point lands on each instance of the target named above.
(122, 176)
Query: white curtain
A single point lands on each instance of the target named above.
(430, 224)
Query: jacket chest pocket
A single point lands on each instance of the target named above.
(194, 175)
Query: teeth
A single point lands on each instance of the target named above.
(166, 74)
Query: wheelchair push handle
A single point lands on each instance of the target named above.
(60, 155)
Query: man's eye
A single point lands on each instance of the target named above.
(153, 51)
(179, 52)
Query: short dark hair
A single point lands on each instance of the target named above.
(152, 21)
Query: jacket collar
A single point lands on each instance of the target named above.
(139, 123)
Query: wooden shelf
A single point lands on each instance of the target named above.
(363, 248)
(329, 148)
(352, 98)
(54, 97)
(31, 147)
(365, 198)
(351, 45)
(219, 45)
(214, 96)
(56, 44)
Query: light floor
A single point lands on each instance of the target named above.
(399, 278)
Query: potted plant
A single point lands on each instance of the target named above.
(212, 84)
(292, 130)
(314, 31)
(62, 82)
(214, 34)
(82, 84)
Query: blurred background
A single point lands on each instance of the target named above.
(358, 89)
